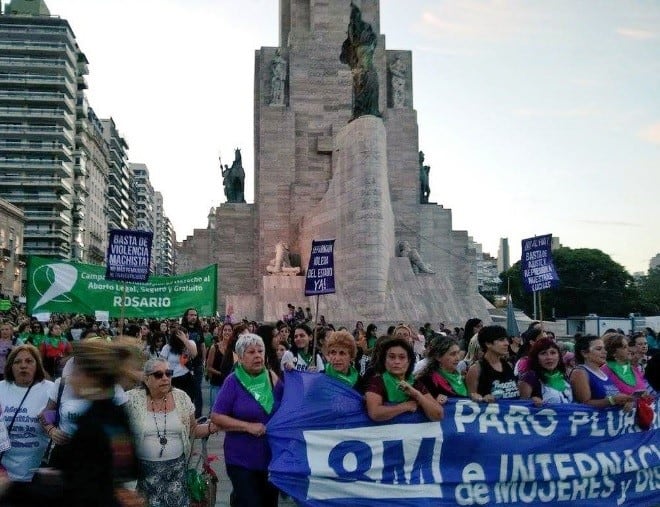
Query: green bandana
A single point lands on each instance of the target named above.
(456, 381)
(258, 386)
(306, 357)
(623, 371)
(350, 378)
(556, 380)
(394, 394)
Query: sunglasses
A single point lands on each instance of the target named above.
(160, 374)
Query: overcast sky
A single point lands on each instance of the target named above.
(536, 117)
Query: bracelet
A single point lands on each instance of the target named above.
(610, 400)
(209, 426)
(50, 430)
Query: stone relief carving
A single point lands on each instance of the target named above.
(398, 82)
(278, 68)
(425, 189)
(358, 52)
(418, 265)
(281, 264)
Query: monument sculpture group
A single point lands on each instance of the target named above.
(337, 156)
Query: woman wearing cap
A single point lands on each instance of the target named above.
(394, 391)
(440, 374)
(246, 402)
(163, 419)
(545, 380)
(590, 383)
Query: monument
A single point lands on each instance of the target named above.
(337, 156)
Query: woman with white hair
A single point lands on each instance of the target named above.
(163, 419)
(246, 401)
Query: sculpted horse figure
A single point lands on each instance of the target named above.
(281, 264)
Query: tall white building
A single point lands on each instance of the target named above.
(164, 239)
(142, 198)
(119, 207)
(503, 256)
(41, 77)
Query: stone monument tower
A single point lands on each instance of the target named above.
(320, 173)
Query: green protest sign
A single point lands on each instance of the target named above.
(58, 286)
(5, 304)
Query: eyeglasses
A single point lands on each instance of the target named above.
(159, 374)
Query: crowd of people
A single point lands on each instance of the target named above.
(89, 407)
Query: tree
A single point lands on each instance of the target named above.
(589, 282)
(649, 293)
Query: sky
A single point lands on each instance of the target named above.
(535, 117)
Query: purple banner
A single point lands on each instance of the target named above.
(129, 255)
(320, 277)
(538, 270)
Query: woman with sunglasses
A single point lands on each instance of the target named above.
(179, 352)
(163, 419)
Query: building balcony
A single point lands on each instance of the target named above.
(43, 147)
(46, 234)
(40, 113)
(34, 97)
(56, 167)
(54, 217)
(40, 132)
(60, 250)
(35, 80)
(9, 181)
(49, 66)
(24, 200)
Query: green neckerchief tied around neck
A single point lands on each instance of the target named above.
(258, 386)
(623, 371)
(394, 394)
(455, 380)
(349, 378)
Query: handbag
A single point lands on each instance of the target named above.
(48, 455)
(201, 480)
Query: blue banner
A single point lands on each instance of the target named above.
(327, 452)
(129, 255)
(538, 270)
(320, 276)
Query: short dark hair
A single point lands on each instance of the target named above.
(395, 342)
(489, 334)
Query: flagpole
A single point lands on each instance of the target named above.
(121, 312)
(316, 326)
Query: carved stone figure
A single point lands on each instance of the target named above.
(233, 179)
(277, 79)
(281, 264)
(358, 52)
(398, 82)
(424, 180)
(418, 265)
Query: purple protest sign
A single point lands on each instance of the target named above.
(320, 277)
(129, 255)
(538, 270)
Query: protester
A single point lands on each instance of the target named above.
(340, 351)
(652, 372)
(359, 326)
(300, 355)
(247, 400)
(626, 378)
(282, 347)
(54, 350)
(640, 351)
(492, 377)
(272, 338)
(440, 374)
(178, 352)
(193, 326)
(217, 352)
(529, 337)
(372, 336)
(100, 458)
(472, 327)
(652, 340)
(163, 419)
(545, 380)
(394, 391)
(6, 344)
(24, 391)
(590, 383)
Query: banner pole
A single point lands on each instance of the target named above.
(540, 311)
(315, 334)
(121, 311)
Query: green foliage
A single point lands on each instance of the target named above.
(649, 293)
(590, 282)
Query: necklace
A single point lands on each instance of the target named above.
(162, 439)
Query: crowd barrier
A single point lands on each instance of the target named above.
(327, 452)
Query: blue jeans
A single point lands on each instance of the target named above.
(251, 487)
(198, 375)
(214, 390)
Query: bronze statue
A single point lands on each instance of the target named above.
(424, 180)
(233, 179)
(358, 52)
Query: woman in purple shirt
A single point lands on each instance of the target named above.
(246, 401)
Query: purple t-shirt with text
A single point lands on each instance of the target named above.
(241, 448)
